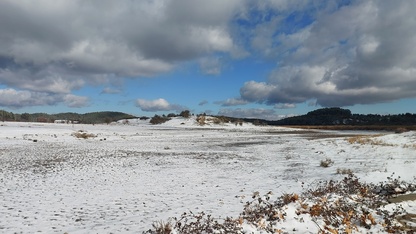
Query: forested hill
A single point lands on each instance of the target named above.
(339, 116)
(87, 118)
(320, 117)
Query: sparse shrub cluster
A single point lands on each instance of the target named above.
(346, 206)
(218, 120)
(157, 119)
(367, 140)
(409, 146)
(196, 223)
(326, 162)
(344, 171)
(83, 135)
(185, 114)
(201, 120)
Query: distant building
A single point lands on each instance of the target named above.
(62, 121)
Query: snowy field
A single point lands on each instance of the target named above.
(130, 175)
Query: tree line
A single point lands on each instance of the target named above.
(339, 116)
(87, 118)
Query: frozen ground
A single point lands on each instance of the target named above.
(131, 175)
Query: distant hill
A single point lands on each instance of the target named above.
(339, 116)
(322, 117)
(87, 118)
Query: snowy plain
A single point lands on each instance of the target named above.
(130, 175)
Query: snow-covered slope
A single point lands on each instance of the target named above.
(122, 177)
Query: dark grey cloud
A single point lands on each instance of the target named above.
(17, 99)
(361, 53)
(202, 103)
(60, 46)
(254, 113)
(232, 102)
(285, 106)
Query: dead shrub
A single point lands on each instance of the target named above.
(201, 120)
(326, 163)
(288, 198)
(161, 227)
(344, 171)
(409, 146)
(340, 206)
(217, 121)
(196, 223)
(157, 119)
(83, 135)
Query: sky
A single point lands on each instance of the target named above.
(244, 58)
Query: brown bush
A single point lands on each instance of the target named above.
(83, 135)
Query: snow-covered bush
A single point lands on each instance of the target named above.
(346, 206)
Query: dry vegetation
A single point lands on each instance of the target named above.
(367, 140)
(326, 163)
(83, 135)
(344, 171)
(412, 146)
(344, 206)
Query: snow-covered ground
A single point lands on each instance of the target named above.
(130, 175)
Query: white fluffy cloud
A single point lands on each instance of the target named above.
(157, 105)
(360, 53)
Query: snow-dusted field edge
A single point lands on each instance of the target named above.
(131, 175)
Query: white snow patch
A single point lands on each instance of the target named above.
(130, 175)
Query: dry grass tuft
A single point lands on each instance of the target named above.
(412, 146)
(344, 171)
(201, 120)
(346, 206)
(161, 227)
(326, 163)
(83, 135)
(288, 198)
(367, 140)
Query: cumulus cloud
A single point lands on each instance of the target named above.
(360, 53)
(285, 106)
(17, 99)
(157, 105)
(253, 113)
(135, 38)
(337, 53)
(76, 101)
(256, 91)
(232, 102)
(60, 46)
(210, 66)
